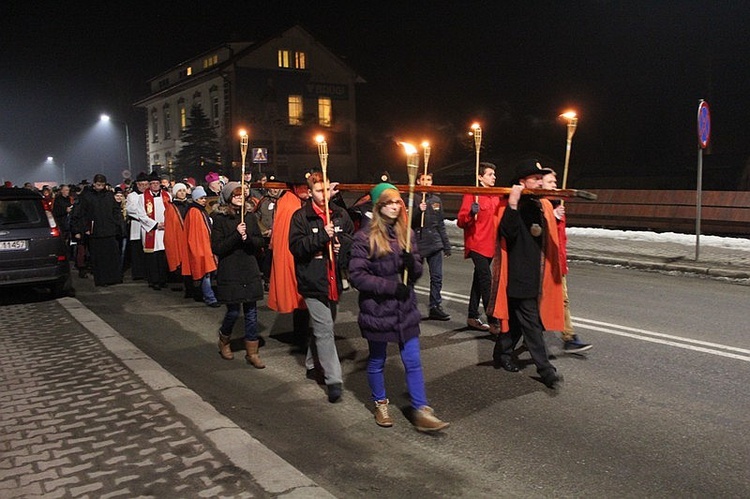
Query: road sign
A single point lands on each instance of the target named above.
(704, 124)
(260, 155)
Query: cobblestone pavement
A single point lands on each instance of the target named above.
(76, 421)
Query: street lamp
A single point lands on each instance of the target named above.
(51, 161)
(105, 118)
(572, 120)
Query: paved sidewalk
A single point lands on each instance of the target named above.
(77, 421)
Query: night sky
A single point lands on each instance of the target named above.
(634, 70)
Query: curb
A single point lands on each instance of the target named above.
(641, 263)
(275, 475)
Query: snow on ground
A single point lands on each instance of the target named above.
(734, 243)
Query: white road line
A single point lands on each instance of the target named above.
(586, 323)
(639, 334)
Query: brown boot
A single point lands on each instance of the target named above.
(252, 356)
(382, 418)
(425, 420)
(224, 349)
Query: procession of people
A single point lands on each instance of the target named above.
(233, 244)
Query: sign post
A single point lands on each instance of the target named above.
(704, 134)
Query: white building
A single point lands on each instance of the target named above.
(284, 91)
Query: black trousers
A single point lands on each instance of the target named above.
(105, 260)
(524, 321)
(156, 268)
(137, 259)
(481, 285)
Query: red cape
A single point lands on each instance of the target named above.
(175, 242)
(198, 235)
(282, 291)
(551, 295)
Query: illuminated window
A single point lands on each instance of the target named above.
(154, 126)
(210, 61)
(283, 58)
(189, 70)
(215, 110)
(324, 111)
(167, 122)
(183, 117)
(299, 60)
(295, 110)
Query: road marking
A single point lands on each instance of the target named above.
(630, 332)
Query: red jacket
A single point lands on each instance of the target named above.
(480, 232)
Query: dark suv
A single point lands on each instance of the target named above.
(32, 249)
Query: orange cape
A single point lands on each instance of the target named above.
(282, 290)
(175, 242)
(198, 235)
(551, 295)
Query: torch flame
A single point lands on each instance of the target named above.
(319, 139)
(243, 133)
(568, 115)
(425, 144)
(410, 149)
(475, 126)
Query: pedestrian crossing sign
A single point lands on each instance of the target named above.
(260, 155)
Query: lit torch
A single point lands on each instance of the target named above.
(426, 148)
(476, 131)
(323, 155)
(243, 151)
(412, 167)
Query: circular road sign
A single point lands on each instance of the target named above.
(704, 124)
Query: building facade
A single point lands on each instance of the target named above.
(283, 91)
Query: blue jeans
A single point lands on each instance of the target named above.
(412, 367)
(251, 320)
(208, 292)
(435, 263)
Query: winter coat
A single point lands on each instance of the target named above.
(98, 213)
(383, 317)
(238, 276)
(308, 244)
(432, 236)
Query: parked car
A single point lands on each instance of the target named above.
(32, 250)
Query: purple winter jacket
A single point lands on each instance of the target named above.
(382, 317)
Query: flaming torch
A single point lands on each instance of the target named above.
(243, 151)
(412, 167)
(476, 131)
(323, 155)
(426, 148)
(572, 120)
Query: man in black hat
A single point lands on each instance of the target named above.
(531, 300)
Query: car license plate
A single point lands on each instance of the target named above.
(14, 245)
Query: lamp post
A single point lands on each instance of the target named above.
(412, 167)
(476, 131)
(105, 118)
(572, 120)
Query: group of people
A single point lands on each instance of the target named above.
(304, 248)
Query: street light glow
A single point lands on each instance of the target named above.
(104, 117)
(50, 159)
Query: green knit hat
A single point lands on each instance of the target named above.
(376, 191)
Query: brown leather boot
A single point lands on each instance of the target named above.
(382, 417)
(224, 349)
(425, 420)
(252, 356)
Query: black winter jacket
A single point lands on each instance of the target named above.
(431, 237)
(307, 243)
(238, 277)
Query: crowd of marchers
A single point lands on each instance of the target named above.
(300, 248)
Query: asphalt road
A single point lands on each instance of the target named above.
(659, 407)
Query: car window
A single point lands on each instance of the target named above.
(21, 213)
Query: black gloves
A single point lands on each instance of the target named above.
(402, 291)
(408, 261)
(474, 209)
(447, 253)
